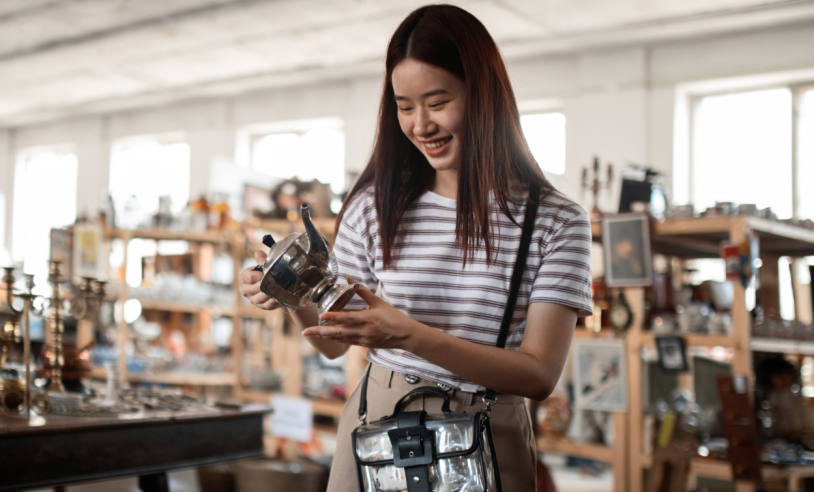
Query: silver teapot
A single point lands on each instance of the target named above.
(301, 271)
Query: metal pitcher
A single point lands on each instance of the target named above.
(301, 271)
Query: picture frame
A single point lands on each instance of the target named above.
(89, 256)
(672, 354)
(627, 252)
(600, 375)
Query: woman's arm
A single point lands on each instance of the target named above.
(532, 372)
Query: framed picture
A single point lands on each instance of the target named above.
(600, 375)
(627, 253)
(672, 354)
(88, 251)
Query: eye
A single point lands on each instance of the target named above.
(438, 104)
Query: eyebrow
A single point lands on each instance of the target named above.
(433, 92)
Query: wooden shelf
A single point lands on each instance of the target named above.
(209, 236)
(567, 447)
(176, 378)
(781, 346)
(702, 237)
(194, 308)
(328, 408)
(692, 339)
(326, 226)
(586, 334)
(722, 470)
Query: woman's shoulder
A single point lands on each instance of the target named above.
(554, 206)
(362, 207)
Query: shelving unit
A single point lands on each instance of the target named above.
(218, 237)
(286, 343)
(690, 239)
(701, 238)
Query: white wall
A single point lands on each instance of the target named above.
(619, 104)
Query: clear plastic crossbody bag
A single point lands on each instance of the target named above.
(411, 451)
(453, 452)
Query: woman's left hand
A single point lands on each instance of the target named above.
(380, 326)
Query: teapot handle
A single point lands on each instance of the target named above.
(269, 242)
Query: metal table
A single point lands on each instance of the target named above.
(54, 451)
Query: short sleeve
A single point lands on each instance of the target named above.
(564, 276)
(354, 256)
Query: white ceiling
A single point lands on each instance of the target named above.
(64, 57)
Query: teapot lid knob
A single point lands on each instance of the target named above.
(268, 240)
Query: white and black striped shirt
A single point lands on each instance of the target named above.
(429, 283)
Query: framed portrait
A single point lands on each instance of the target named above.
(600, 375)
(627, 253)
(672, 354)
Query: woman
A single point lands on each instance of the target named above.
(449, 174)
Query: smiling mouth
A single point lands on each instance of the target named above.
(437, 144)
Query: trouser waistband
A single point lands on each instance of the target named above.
(399, 380)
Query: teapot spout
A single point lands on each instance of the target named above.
(318, 249)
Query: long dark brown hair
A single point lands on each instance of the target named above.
(495, 158)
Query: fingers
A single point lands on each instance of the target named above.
(369, 297)
(260, 258)
(249, 288)
(335, 333)
(347, 318)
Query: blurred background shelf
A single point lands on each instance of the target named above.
(176, 378)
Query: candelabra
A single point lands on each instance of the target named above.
(10, 400)
(87, 299)
(595, 185)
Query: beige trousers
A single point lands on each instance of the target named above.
(511, 426)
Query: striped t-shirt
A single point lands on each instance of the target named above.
(428, 282)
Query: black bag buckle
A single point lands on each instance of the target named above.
(412, 446)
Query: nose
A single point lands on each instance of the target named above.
(423, 124)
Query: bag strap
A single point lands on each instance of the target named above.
(517, 277)
(514, 289)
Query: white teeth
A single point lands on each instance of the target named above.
(438, 144)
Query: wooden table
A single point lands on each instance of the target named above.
(55, 451)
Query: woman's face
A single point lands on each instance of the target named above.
(431, 111)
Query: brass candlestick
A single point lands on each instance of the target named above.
(56, 359)
(9, 337)
(596, 184)
(41, 403)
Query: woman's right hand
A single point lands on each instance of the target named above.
(249, 282)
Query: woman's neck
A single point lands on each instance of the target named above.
(445, 183)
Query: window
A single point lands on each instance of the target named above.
(545, 134)
(44, 198)
(148, 169)
(317, 153)
(742, 151)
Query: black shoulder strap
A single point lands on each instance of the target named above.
(517, 274)
(514, 289)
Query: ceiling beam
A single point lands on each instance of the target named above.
(110, 32)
